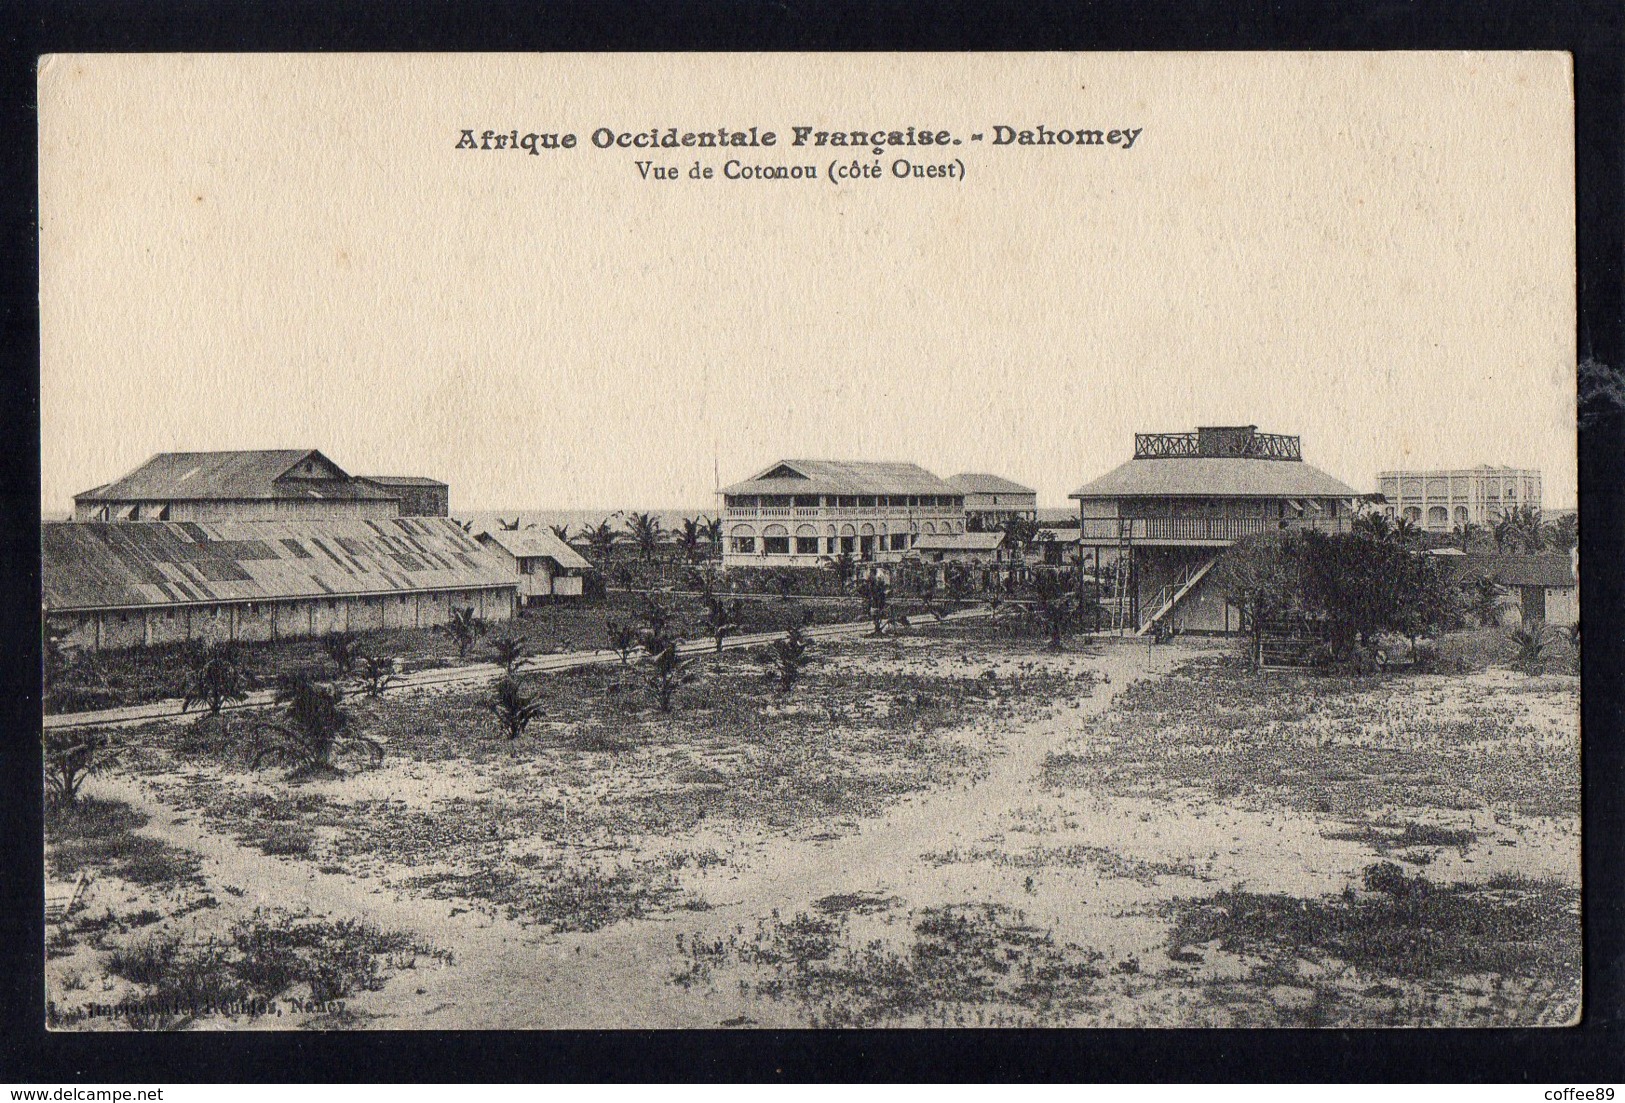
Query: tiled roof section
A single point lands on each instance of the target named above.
(1204, 477)
(236, 476)
(1554, 571)
(112, 566)
(842, 477)
(532, 543)
(960, 541)
(977, 483)
(401, 480)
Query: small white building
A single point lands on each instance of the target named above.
(1543, 588)
(545, 566)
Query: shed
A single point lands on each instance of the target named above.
(544, 565)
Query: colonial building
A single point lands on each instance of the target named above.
(108, 585)
(1439, 501)
(1155, 526)
(798, 512)
(544, 565)
(419, 497)
(281, 485)
(990, 501)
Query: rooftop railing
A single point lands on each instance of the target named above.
(1225, 444)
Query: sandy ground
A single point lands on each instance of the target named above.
(1092, 869)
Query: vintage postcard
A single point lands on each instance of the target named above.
(783, 540)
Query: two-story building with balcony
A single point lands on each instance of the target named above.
(1440, 501)
(797, 513)
(1153, 528)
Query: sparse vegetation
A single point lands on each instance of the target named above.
(514, 708)
(464, 627)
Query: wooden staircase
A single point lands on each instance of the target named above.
(1173, 593)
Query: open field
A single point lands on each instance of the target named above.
(953, 826)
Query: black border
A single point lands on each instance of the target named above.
(1593, 31)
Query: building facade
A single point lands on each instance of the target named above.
(112, 585)
(419, 497)
(1439, 501)
(280, 485)
(797, 513)
(543, 566)
(1153, 528)
(991, 501)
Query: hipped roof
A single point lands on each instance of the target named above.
(973, 482)
(960, 541)
(843, 477)
(1215, 477)
(156, 563)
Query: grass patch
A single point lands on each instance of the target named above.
(266, 957)
(1385, 838)
(1333, 746)
(100, 836)
(1402, 927)
(962, 965)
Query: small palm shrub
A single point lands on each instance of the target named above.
(70, 758)
(464, 627)
(665, 674)
(508, 651)
(377, 674)
(1530, 642)
(720, 619)
(513, 708)
(215, 674)
(623, 640)
(342, 649)
(789, 657)
(314, 728)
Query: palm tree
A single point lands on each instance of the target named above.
(843, 566)
(644, 529)
(668, 671)
(690, 537)
(377, 674)
(341, 648)
(508, 651)
(1530, 532)
(508, 526)
(1486, 600)
(1467, 535)
(1053, 605)
(623, 640)
(513, 708)
(876, 596)
(70, 758)
(561, 531)
(720, 620)
(1378, 526)
(1563, 533)
(789, 658)
(215, 674)
(712, 531)
(464, 627)
(603, 536)
(1406, 531)
(315, 728)
(1531, 641)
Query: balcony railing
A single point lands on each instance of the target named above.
(1209, 529)
(837, 513)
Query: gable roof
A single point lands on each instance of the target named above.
(193, 476)
(94, 565)
(1213, 477)
(536, 543)
(973, 482)
(960, 541)
(842, 477)
(1551, 571)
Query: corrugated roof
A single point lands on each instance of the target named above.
(843, 477)
(193, 476)
(974, 482)
(113, 565)
(1211, 477)
(960, 541)
(1516, 570)
(401, 480)
(530, 543)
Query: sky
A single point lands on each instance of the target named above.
(1374, 252)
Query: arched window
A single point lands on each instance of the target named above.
(1461, 515)
(1438, 517)
(1413, 513)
